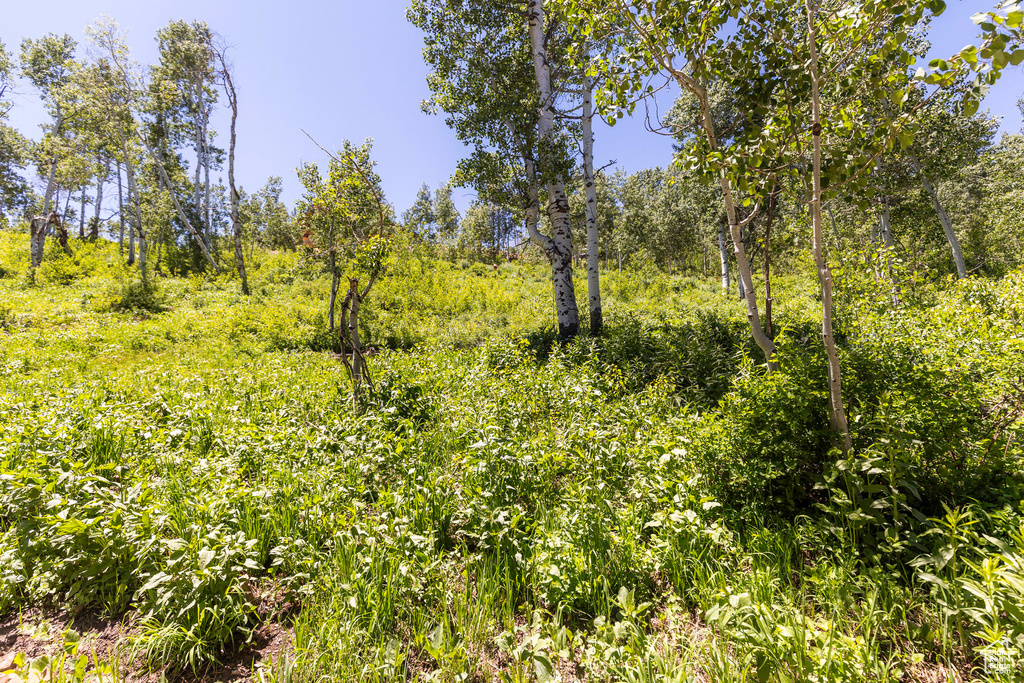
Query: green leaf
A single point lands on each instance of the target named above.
(931, 578)
(543, 668)
(156, 580)
(205, 558)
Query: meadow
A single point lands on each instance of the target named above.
(647, 506)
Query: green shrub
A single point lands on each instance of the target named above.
(770, 440)
(136, 296)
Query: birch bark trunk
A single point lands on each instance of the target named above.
(197, 188)
(837, 413)
(593, 241)
(120, 213)
(48, 194)
(723, 255)
(207, 217)
(772, 200)
(764, 342)
(559, 247)
(81, 218)
(947, 225)
(134, 199)
(94, 227)
(885, 227)
(766, 345)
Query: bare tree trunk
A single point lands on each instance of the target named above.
(36, 234)
(38, 227)
(67, 203)
(207, 218)
(593, 246)
(764, 342)
(837, 411)
(81, 218)
(50, 186)
(48, 194)
(885, 225)
(197, 188)
(136, 201)
(739, 280)
(236, 221)
(36, 243)
(559, 246)
(947, 225)
(704, 256)
(723, 253)
(62, 236)
(120, 213)
(772, 199)
(94, 226)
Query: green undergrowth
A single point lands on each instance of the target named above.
(647, 506)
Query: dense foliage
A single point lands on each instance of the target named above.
(419, 475)
(646, 506)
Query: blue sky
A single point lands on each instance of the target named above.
(345, 69)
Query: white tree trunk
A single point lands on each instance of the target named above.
(884, 218)
(764, 342)
(81, 218)
(207, 217)
(593, 240)
(723, 255)
(133, 197)
(197, 187)
(885, 226)
(560, 249)
(48, 195)
(947, 225)
(837, 411)
(120, 212)
(36, 242)
(94, 229)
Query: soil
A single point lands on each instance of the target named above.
(37, 633)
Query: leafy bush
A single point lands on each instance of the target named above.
(135, 296)
(201, 601)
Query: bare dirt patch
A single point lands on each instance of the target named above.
(40, 633)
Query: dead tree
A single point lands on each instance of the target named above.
(39, 227)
